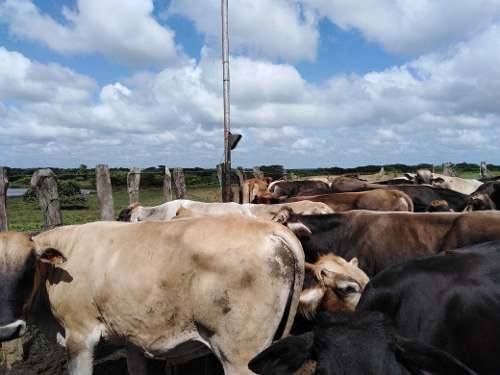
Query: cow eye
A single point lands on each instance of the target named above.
(347, 290)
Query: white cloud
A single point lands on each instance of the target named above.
(439, 104)
(274, 29)
(410, 26)
(22, 79)
(124, 31)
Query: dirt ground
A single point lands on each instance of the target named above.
(42, 357)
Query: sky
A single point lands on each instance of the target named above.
(314, 83)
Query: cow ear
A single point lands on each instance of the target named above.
(309, 301)
(52, 256)
(284, 356)
(354, 262)
(439, 180)
(299, 229)
(421, 357)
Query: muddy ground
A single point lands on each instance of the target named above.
(42, 357)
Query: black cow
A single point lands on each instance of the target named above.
(358, 344)
(382, 239)
(450, 301)
(486, 197)
(423, 195)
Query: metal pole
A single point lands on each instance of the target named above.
(226, 196)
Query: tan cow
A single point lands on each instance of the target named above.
(373, 200)
(253, 187)
(332, 284)
(230, 283)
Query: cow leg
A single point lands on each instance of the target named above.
(81, 352)
(136, 363)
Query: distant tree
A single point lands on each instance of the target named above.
(82, 171)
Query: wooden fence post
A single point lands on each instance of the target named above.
(220, 168)
(180, 183)
(241, 182)
(448, 169)
(167, 185)
(258, 173)
(104, 192)
(4, 185)
(45, 184)
(483, 170)
(133, 182)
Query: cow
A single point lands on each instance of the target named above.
(330, 284)
(439, 206)
(355, 344)
(480, 202)
(344, 184)
(227, 283)
(395, 181)
(421, 195)
(299, 188)
(486, 197)
(375, 200)
(183, 208)
(166, 211)
(450, 301)
(461, 185)
(381, 239)
(254, 187)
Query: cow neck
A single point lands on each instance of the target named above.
(38, 308)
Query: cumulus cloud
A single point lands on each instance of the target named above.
(410, 26)
(124, 31)
(273, 29)
(442, 103)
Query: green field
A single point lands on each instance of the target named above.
(24, 216)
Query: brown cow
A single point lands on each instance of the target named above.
(374, 200)
(254, 187)
(439, 206)
(381, 239)
(298, 188)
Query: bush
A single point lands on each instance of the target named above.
(70, 196)
(29, 196)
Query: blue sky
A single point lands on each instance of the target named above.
(314, 83)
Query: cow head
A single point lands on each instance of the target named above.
(439, 206)
(253, 187)
(424, 176)
(126, 213)
(287, 217)
(479, 202)
(19, 278)
(332, 284)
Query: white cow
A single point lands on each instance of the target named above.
(188, 208)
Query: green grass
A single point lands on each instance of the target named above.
(24, 216)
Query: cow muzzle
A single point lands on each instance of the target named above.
(12, 331)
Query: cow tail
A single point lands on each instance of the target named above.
(409, 202)
(293, 246)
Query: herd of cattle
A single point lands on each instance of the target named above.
(340, 276)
